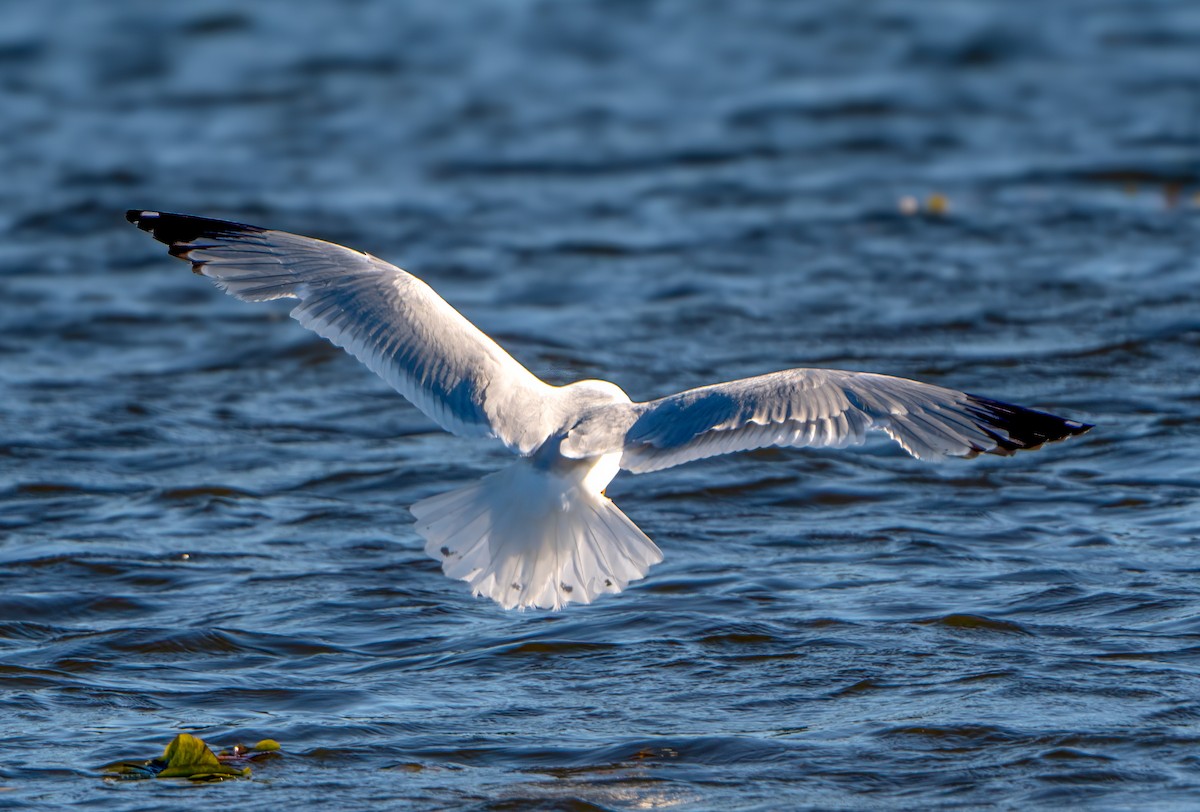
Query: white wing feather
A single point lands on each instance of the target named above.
(386, 318)
(830, 408)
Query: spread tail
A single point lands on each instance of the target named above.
(527, 536)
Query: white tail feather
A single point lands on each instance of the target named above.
(528, 536)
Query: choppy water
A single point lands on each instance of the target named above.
(203, 520)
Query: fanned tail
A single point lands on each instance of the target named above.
(530, 537)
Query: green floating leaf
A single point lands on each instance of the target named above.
(134, 769)
(240, 753)
(185, 757)
(189, 757)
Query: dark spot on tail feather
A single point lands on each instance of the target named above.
(176, 230)
(1015, 428)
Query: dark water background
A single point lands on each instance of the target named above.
(665, 194)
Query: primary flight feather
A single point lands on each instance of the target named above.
(541, 533)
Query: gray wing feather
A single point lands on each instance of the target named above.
(386, 318)
(830, 408)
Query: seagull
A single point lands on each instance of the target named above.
(541, 533)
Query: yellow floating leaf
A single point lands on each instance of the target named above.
(189, 757)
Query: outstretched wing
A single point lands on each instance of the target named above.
(831, 408)
(386, 318)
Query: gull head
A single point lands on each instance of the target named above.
(592, 393)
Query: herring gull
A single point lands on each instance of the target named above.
(542, 533)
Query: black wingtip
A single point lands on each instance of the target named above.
(180, 230)
(1015, 428)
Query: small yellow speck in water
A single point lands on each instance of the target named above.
(186, 556)
(937, 204)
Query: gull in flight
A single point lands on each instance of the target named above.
(541, 533)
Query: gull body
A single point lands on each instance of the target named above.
(542, 533)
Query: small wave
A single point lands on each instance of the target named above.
(72, 606)
(976, 623)
(205, 491)
(957, 738)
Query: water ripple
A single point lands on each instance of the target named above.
(203, 521)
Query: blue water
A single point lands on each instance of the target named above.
(203, 508)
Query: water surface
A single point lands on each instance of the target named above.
(203, 521)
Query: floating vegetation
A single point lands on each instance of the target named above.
(936, 205)
(189, 757)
